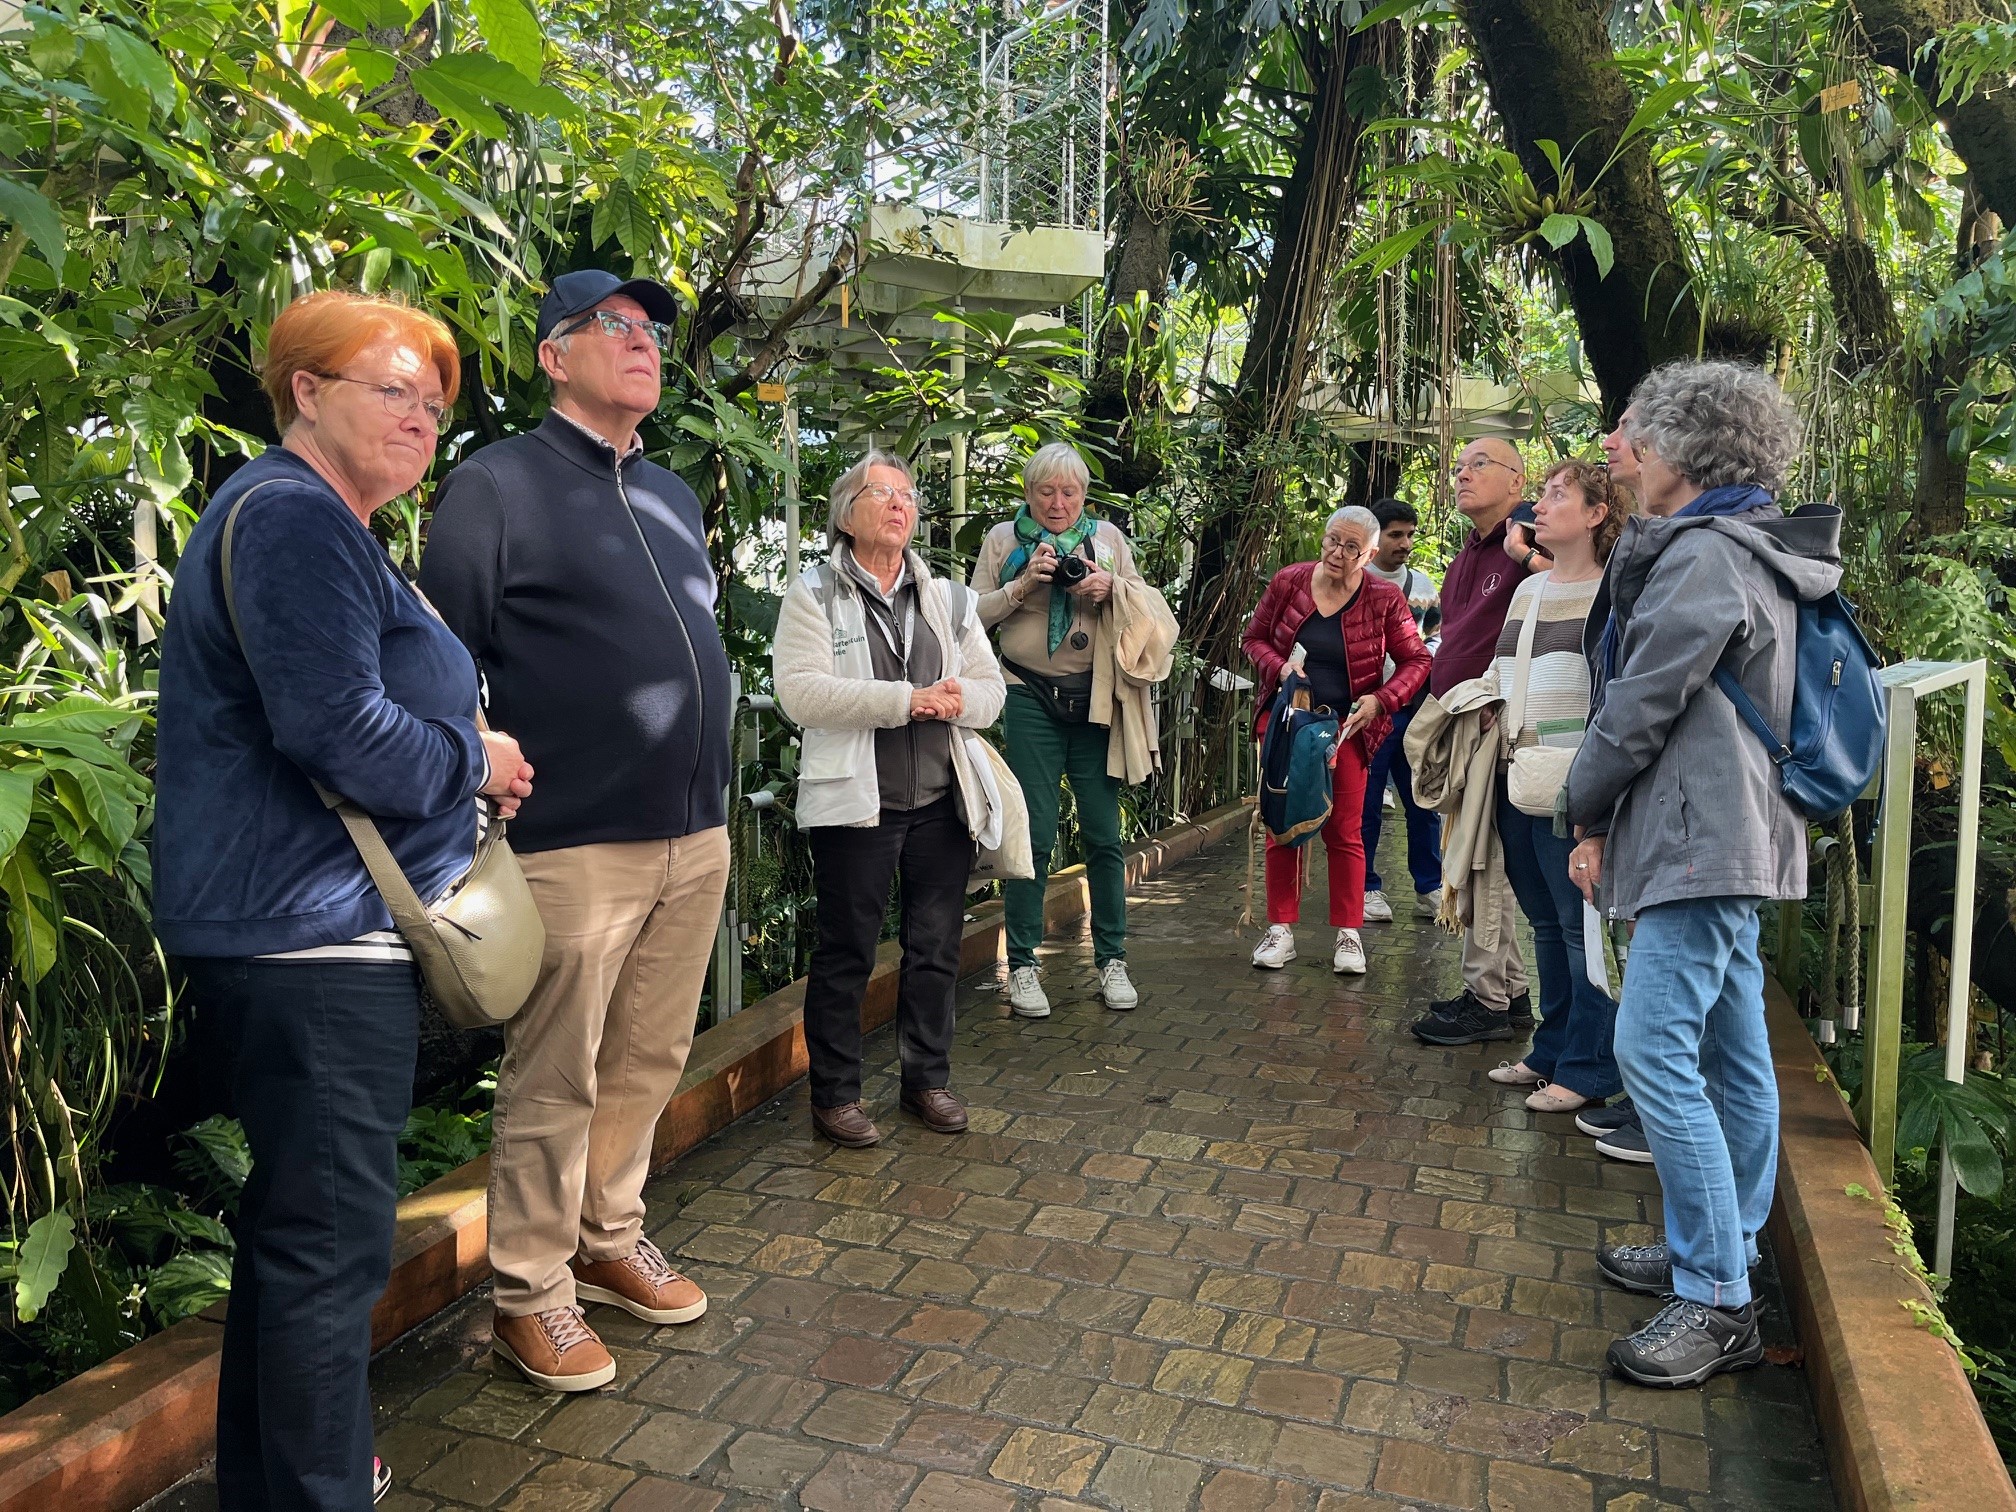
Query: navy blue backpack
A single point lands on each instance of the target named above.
(1839, 717)
(1297, 757)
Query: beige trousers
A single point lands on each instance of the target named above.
(594, 1056)
(1495, 975)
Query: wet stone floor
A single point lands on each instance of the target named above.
(1249, 1247)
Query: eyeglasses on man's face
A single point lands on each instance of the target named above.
(401, 400)
(1478, 464)
(618, 327)
(882, 493)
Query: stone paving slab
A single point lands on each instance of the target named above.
(1248, 1249)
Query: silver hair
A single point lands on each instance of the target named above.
(840, 508)
(1716, 423)
(1355, 514)
(1058, 459)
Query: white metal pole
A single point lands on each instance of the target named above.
(791, 506)
(1960, 969)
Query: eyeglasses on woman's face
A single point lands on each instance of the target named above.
(882, 493)
(1350, 545)
(618, 327)
(401, 400)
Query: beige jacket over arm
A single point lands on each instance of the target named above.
(1132, 650)
(1455, 762)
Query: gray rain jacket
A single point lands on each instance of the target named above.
(1689, 796)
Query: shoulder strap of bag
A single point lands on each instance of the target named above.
(1522, 664)
(401, 901)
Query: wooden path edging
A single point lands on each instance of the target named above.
(128, 1429)
(1899, 1420)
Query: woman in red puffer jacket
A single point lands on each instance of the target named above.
(1348, 624)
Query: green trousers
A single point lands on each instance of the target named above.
(1042, 752)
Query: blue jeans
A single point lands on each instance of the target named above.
(1572, 1046)
(1696, 1059)
(322, 1075)
(1424, 826)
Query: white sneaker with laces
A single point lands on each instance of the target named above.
(1377, 909)
(1115, 987)
(1350, 957)
(1277, 949)
(1025, 993)
(1428, 904)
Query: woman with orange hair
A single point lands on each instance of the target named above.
(297, 660)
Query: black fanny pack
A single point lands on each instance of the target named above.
(1066, 699)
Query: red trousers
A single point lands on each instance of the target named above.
(1343, 839)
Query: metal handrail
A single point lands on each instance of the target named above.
(1890, 873)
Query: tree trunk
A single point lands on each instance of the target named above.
(1140, 266)
(1554, 78)
(1376, 467)
(1983, 129)
(1939, 494)
(1287, 319)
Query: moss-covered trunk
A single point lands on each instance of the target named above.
(1554, 78)
(1903, 34)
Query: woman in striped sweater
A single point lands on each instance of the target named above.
(1578, 519)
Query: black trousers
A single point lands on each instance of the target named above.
(931, 850)
(322, 1079)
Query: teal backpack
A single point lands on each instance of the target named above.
(1297, 758)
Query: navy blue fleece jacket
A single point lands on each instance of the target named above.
(581, 584)
(343, 678)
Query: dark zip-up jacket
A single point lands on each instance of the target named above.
(582, 586)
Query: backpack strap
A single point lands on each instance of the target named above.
(1780, 752)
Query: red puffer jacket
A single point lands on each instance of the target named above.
(1377, 625)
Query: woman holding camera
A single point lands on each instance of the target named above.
(1041, 578)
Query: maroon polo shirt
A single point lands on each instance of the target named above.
(1476, 591)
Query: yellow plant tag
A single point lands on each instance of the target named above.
(771, 393)
(1840, 96)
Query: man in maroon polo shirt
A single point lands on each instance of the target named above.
(1476, 590)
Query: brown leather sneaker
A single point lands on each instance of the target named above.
(847, 1125)
(555, 1349)
(643, 1284)
(941, 1111)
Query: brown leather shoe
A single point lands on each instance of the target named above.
(642, 1283)
(555, 1349)
(847, 1125)
(941, 1111)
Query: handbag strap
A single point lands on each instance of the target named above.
(401, 901)
(1522, 664)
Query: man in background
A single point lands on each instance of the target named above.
(1397, 524)
(1490, 479)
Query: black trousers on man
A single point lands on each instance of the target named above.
(931, 850)
(322, 1059)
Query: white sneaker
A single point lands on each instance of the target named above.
(1350, 957)
(1377, 909)
(1389, 800)
(1277, 949)
(1116, 988)
(1025, 993)
(1428, 904)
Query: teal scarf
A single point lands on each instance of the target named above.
(1028, 536)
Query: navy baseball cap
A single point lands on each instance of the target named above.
(576, 293)
(1522, 513)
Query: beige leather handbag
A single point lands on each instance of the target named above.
(478, 946)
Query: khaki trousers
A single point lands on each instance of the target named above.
(1497, 975)
(594, 1056)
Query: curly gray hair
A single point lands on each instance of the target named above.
(1716, 423)
(840, 508)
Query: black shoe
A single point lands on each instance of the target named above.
(1447, 1007)
(1646, 1268)
(1687, 1343)
(1520, 1014)
(1596, 1122)
(1468, 1023)
(1628, 1143)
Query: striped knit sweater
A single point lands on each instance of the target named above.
(1557, 685)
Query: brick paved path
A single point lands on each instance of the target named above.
(1250, 1247)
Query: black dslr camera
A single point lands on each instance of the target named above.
(1072, 570)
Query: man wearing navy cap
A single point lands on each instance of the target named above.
(577, 574)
